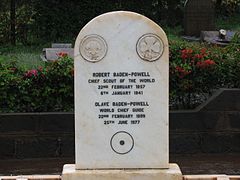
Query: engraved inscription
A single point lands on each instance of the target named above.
(121, 112)
(150, 47)
(93, 48)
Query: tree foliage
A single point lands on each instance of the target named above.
(56, 20)
(228, 7)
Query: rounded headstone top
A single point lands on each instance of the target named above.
(113, 31)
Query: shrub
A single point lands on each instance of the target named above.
(229, 64)
(48, 88)
(196, 71)
(193, 73)
(9, 84)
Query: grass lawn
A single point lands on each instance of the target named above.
(27, 57)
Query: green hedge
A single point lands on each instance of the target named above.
(48, 88)
(196, 70)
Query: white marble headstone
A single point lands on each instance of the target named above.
(121, 93)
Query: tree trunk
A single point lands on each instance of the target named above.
(13, 22)
(218, 3)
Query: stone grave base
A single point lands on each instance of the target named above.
(173, 173)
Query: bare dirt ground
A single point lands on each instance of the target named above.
(208, 163)
(190, 164)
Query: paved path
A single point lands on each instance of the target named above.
(189, 164)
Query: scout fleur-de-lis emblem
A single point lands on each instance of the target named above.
(93, 48)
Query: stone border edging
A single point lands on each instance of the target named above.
(58, 177)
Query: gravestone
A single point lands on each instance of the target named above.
(199, 15)
(121, 100)
(52, 54)
(215, 37)
(61, 45)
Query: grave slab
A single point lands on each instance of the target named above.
(173, 173)
(61, 45)
(52, 54)
(121, 62)
(121, 93)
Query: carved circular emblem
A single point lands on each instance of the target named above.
(122, 142)
(150, 47)
(93, 48)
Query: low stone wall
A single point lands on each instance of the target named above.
(30, 135)
(214, 127)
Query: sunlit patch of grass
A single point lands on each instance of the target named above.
(27, 60)
(25, 56)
